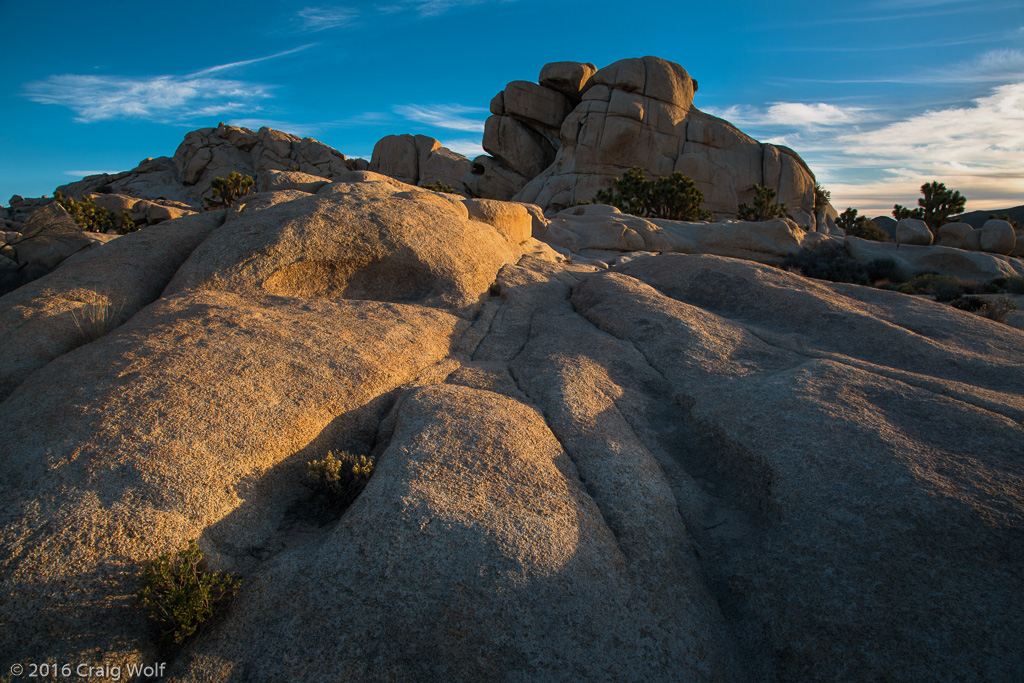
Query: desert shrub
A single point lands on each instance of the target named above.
(942, 287)
(180, 594)
(1013, 284)
(674, 197)
(936, 207)
(765, 207)
(340, 477)
(226, 191)
(96, 320)
(821, 197)
(92, 218)
(827, 262)
(993, 310)
(882, 270)
(861, 226)
(442, 187)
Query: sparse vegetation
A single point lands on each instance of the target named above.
(832, 262)
(674, 197)
(944, 287)
(765, 207)
(936, 207)
(339, 477)
(441, 187)
(1014, 284)
(861, 226)
(92, 218)
(180, 594)
(96, 320)
(821, 197)
(226, 191)
(993, 310)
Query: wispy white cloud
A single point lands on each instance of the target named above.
(164, 98)
(470, 147)
(313, 19)
(1004, 65)
(247, 62)
(976, 148)
(155, 98)
(944, 42)
(431, 8)
(794, 115)
(453, 116)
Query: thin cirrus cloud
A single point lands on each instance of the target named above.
(315, 19)
(794, 115)
(451, 116)
(976, 148)
(164, 99)
(433, 8)
(154, 98)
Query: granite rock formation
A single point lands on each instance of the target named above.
(683, 467)
(557, 142)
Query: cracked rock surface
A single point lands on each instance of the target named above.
(682, 467)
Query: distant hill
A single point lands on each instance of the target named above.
(973, 218)
(978, 218)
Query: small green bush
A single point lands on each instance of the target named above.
(442, 187)
(674, 197)
(821, 197)
(993, 310)
(832, 262)
(765, 207)
(1014, 284)
(179, 594)
(339, 477)
(92, 218)
(942, 287)
(226, 191)
(861, 226)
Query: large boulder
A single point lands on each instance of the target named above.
(418, 160)
(372, 238)
(572, 79)
(47, 238)
(913, 260)
(586, 229)
(635, 112)
(210, 153)
(956, 235)
(913, 231)
(997, 237)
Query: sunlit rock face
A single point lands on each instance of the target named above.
(682, 467)
(604, 447)
(558, 142)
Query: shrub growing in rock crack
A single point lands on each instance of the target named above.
(180, 594)
(832, 262)
(339, 477)
(674, 197)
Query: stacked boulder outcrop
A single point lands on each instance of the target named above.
(419, 160)
(558, 142)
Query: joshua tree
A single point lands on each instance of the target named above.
(936, 207)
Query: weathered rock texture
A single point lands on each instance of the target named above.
(684, 467)
(419, 160)
(557, 143)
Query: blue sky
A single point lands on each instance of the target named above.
(878, 96)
